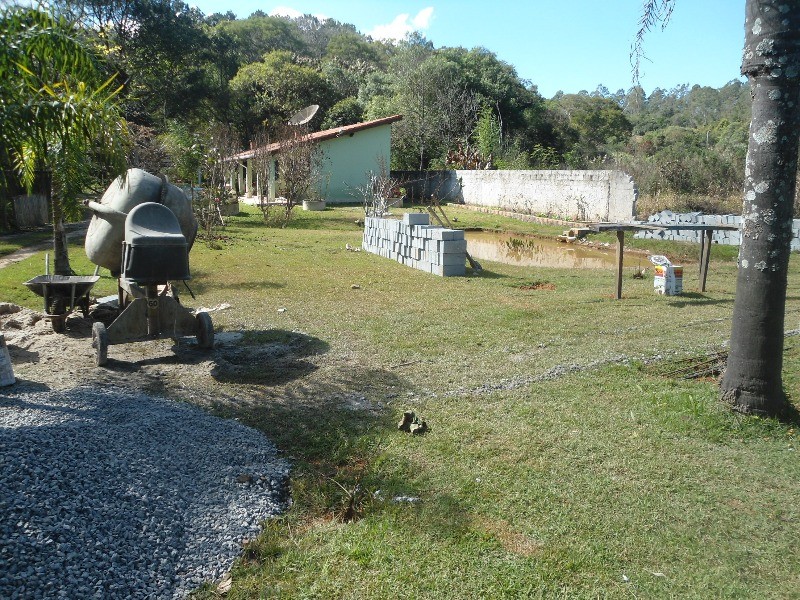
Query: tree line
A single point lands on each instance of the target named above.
(183, 73)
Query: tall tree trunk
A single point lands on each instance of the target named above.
(752, 382)
(60, 249)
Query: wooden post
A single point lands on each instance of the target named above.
(705, 256)
(620, 253)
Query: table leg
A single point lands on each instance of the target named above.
(705, 255)
(620, 253)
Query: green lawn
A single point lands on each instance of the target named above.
(559, 463)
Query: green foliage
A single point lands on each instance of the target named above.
(542, 157)
(346, 78)
(270, 91)
(185, 149)
(173, 75)
(488, 134)
(182, 66)
(58, 114)
(257, 36)
(350, 48)
(344, 112)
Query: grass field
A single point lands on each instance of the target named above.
(561, 461)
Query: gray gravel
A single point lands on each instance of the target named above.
(116, 494)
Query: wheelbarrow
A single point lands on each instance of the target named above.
(62, 294)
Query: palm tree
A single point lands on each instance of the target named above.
(57, 113)
(752, 382)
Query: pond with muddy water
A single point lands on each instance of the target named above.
(529, 251)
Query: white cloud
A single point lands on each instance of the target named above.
(292, 13)
(402, 25)
(423, 18)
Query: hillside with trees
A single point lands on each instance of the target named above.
(186, 74)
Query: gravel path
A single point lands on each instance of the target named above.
(115, 494)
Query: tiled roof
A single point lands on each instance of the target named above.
(327, 134)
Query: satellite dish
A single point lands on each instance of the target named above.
(301, 117)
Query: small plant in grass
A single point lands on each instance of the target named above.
(377, 191)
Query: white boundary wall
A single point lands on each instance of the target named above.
(415, 243)
(572, 195)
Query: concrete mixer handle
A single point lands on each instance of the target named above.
(104, 210)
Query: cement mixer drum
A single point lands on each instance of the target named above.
(107, 228)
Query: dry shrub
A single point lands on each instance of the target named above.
(651, 204)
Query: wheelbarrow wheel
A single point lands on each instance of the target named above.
(59, 323)
(57, 312)
(205, 331)
(100, 343)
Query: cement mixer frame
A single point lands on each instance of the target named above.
(150, 313)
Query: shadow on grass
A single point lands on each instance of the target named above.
(269, 357)
(215, 284)
(485, 274)
(327, 220)
(697, 299)
(790, 415)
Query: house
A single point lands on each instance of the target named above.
(349, 154)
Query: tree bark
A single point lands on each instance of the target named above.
(61, 264)
(752, 382)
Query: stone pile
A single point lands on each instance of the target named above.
(414, 242)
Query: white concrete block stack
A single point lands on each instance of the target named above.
(414, 242)
(667, 217)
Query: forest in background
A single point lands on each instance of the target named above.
(188, 76)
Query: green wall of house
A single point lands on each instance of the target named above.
(348, 159)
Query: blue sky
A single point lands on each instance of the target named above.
(570, 45)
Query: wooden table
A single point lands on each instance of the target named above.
(705, 242)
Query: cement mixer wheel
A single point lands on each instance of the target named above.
(100, 343)
(205, 331)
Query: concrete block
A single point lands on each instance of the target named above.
(453, 246)
(453, 259)
(449, 270)
(416, 219)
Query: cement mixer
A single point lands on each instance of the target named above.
(142, 230)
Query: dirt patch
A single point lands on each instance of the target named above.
(538, 285)
(246, 372)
